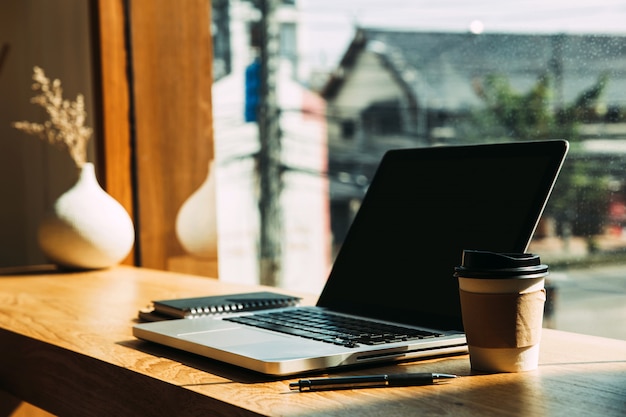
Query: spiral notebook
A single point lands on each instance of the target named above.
(395, 268)
(188, 308)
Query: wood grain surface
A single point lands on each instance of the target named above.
(66, 346)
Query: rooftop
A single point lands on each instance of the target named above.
(443, 66)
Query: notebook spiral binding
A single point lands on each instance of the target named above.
(189, 308)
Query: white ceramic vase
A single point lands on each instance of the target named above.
(196, 227)
(86, 228)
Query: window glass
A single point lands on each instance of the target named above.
(359, 77)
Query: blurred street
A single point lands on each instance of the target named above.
(587, 298)
(591, 301)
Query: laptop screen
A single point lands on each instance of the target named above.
(423, 207)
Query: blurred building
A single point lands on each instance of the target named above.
(396, 89)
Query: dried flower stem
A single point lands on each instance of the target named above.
(66, 125)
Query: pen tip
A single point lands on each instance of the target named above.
(443, 377)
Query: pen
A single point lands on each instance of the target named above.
(364, 381)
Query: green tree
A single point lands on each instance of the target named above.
(521, 115)
(533, 115)
(580, 198)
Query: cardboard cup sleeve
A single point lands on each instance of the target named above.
(503, 320)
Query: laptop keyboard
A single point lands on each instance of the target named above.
(331, 328)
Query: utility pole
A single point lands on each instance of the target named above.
(269, 160)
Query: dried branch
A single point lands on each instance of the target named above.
(66, 125)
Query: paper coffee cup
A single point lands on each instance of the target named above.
(502, 301)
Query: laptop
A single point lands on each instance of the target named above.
(423, 207)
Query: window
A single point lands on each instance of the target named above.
(406, 73)
(348, 129)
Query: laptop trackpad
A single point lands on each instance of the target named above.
(260, 344)
(228, 337)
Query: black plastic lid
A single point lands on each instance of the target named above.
(484, 264)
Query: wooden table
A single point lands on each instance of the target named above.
(66, 346)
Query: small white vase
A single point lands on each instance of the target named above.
(86, 228)
(196, 227)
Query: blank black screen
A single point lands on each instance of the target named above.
(423, 207)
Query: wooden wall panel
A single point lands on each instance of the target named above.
(172, 88)
(170, 141)
(54, 35)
